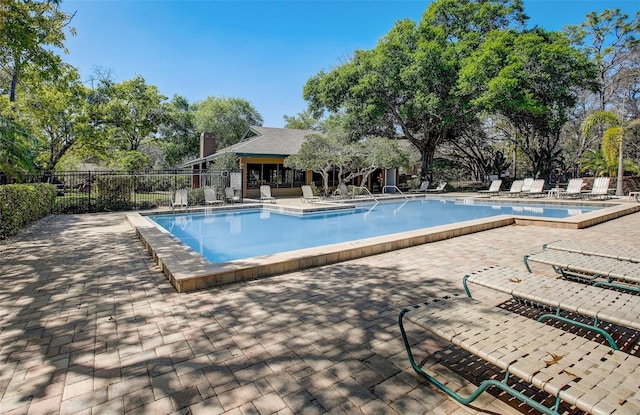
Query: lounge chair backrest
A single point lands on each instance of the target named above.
(600, 186)
(211, 195)
(181, 198)
(265, 192)
(495, 185)
(441, 185)
(574, 186)
(537, 186)
(526, 185)
(230, 195)
(424, 186)
(516, 186)
(307, 193)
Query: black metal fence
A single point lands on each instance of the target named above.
(101, 191)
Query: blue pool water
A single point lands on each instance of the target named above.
(223, 236)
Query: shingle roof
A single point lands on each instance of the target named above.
(262, 141)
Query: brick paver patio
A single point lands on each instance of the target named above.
(89, 325)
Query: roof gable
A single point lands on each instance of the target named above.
(260, 140)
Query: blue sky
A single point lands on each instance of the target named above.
(262, 51)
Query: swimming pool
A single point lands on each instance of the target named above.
(222, 236)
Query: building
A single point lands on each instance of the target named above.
(261, 151)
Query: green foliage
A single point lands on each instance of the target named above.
(29, 32)
(303, 121)
(228, 161)
(227, 118)
(133, 112)
(114, 192)
(130, 161)
(21, 204)
(406, 87)
(530, 78)
(177, 134)
(16, 148)
(55, 108)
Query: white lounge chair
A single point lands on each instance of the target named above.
(574, 188)
(265, 194)
(514, 190)
(231, 196)
(535, 190)
(494, 188)
(180, 199)
(307, 194)
(600, 188)
(526, 185)
(438, 189)
(424, 186)
(211, 196)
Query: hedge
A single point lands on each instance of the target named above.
(21, 204)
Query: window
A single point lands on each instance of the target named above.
(274, 175)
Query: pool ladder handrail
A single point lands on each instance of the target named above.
(353, 192)
(394, 187)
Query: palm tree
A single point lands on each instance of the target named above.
(612, 138)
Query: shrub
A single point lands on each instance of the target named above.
(114, 192)
(21, 204)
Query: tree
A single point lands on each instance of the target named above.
(227, 118)
(28, 31)
(365, 157)
(318, 153)
(303, 121)
(133, 112)
(16, 145)
(531, 79)
(56, 111)
(227, 161)
(613, 38)
(612, 139)
(177, 134)
(406, 86)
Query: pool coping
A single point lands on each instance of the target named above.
(188, 271)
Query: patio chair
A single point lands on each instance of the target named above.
(494, 188)
(574, 189)
(231, 195)
(424, 186)
(595, 248)
(585, 374)
(526, 185)
(180, 199)
(211, 196)
(265, 194)
(307, 194)
(600, 188)
(594, 269)
(562, 295)
(438, 189)
(514, 190)
(535, 190)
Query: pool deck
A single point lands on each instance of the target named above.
(91, 325)
(189, 271)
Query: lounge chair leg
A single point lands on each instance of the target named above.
(466, 287)
(483, 386)
(526, 263)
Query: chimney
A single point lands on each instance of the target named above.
(207, 144)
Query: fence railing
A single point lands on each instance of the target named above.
(100, 191)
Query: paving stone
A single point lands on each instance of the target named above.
(91, 325)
